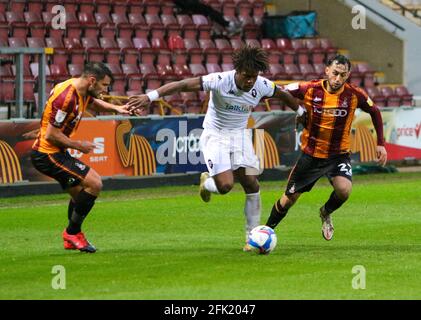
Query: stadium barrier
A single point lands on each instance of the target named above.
(157, 146)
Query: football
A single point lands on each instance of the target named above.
(262, 239)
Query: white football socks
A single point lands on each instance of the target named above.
(210, 185)
(252, 211)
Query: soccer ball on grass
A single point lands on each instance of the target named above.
(262, 239)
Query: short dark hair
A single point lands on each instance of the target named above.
(97, 69)
(250, 59)
(340, 59)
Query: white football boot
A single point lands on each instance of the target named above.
(327, 225)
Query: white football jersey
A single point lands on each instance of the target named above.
(229, 107)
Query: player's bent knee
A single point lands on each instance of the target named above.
(225, 188)
(343, 193)
(93, 183)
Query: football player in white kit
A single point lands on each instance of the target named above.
(226, 143)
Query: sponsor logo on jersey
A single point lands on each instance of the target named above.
(332, 112)
(239, 109)
(60, 116)
(80, 166)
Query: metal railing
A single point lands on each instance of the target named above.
(19, 53)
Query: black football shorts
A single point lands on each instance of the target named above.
(68, 171)
(308, 170)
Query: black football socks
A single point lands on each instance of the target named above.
(84, 203)
(333, 203)
(277, 214)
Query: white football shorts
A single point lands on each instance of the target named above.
(225, 150)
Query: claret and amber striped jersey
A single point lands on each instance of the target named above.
(330, 116)
(63, 110)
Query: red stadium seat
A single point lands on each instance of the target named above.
(90, 29)
(103, 19)
(141, 29)
(161, 50)
(133, 76)
(368, 73)
(150, 75)
(288, 52)
(35, 24)
(129, 53)
(167, 7)
(194, 50)
(392, 99)
(203, 25)
(86, 6)
(376, 96)
(151, 6)
(320, 68)
(112, 51)
(147, 54)
(17, 24)
(237, 44)
(182, 71)
(210, 51)
(119, 83)
(155, 25)
(103, 6)
(120, 7)
(300, 48)
(92, 49)
(197, 69)
(274, 53)
(75, 70)
(277, 72)
(187, 26)
(171, 24)
(308, 72)
(74, 47)
(135, 6)
(244, 8)
(227, 67)
(125, 29)
(213, 67)
(35, 6)
(59, 72)
(293, 72)
(60, 53)
(316, 51)
(406, 97)
(225, 49)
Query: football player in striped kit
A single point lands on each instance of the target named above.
(325, 144)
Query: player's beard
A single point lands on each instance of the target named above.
(336, 87)
(93, 92)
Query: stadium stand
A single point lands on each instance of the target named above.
(147, 44)
(411, 9)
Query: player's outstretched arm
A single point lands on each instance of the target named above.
(191, 84)
(287, 98)
(103, 106)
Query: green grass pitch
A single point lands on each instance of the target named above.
(164, 243)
